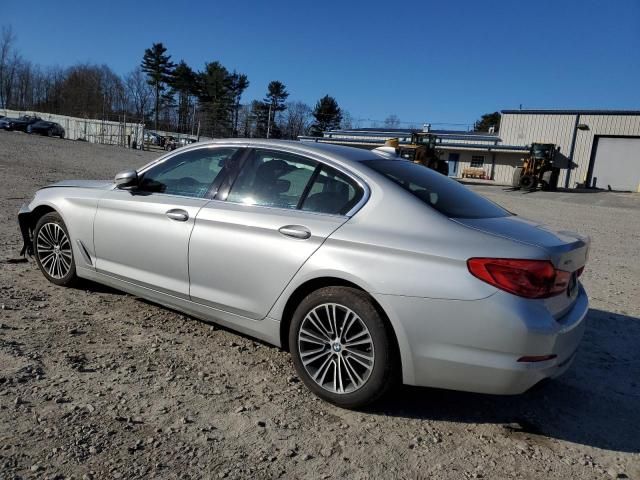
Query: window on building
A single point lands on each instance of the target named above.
(477, 161)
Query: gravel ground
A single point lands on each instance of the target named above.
(99, 384)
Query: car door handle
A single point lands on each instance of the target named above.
(295, 231)
(177, 215)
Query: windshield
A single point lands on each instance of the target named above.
(439, 192)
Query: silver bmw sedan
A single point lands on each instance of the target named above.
(369, 269)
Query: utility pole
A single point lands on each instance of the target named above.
(269, 122)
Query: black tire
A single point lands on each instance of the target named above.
(517, 174)
(61, 135)
(546, 180)
(528, 181)
(50, 132)
(384, 372)
(51, 222)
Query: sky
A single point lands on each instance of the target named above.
(445, 63)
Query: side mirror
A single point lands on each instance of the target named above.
(126, 179)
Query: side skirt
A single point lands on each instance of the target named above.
(266, 329)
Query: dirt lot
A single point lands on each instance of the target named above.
(98, 384)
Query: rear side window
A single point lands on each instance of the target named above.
(332, 192)
(439, 192)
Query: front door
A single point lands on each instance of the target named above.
(142, 235)
(245, 250)
(454, 158)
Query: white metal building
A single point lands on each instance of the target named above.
(602, 147)
(598, 148)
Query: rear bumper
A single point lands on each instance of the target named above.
(475, 345)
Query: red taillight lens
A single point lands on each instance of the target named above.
(525, 278)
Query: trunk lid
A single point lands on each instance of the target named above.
(567, 251)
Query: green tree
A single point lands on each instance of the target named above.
(276, 96)
(327, 116)
(486, 121)
(215, 97)
(158, 67)
(259, 117)
(183, 86)
(238, 84)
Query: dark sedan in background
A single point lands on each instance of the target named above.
(43, 127)
(21, 124)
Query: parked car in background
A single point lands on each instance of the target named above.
(368, 269)
(44, 127)
(19, 124)
(151, 138)
(184, 141)
(6, 123)
(170, 143)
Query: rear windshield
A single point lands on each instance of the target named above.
(445, 195)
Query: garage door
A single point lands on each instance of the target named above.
(617, 164)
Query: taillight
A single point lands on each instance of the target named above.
(525, 278)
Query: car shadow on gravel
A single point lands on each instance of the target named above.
(596, 403)
(93, 287)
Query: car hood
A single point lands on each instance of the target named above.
(99, 184)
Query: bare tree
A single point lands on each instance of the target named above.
(295, 120)
(392, 121)
(7, 56)
(139, 92)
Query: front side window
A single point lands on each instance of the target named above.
(188, 174)
(439, 192)
(272, 179)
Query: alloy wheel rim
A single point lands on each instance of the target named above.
(54, 250)
(336, 348)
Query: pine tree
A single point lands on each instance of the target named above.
(158, 67)
(214, 94)
(183, 85)
(327, 114)
(487, 121)
(259, 115)
(276, 96)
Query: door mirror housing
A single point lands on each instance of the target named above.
(126, 179)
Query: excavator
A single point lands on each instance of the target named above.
(422, 150)
(538, 169)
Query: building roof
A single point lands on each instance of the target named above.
(401, 131)
(572, 112)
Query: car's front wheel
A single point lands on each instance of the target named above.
(52, 249)
(341, 347)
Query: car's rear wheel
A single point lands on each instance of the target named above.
(52, 249)
(341, 347)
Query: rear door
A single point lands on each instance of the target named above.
(248, 244)
(142, 235)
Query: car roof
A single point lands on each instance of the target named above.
(338, 152)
